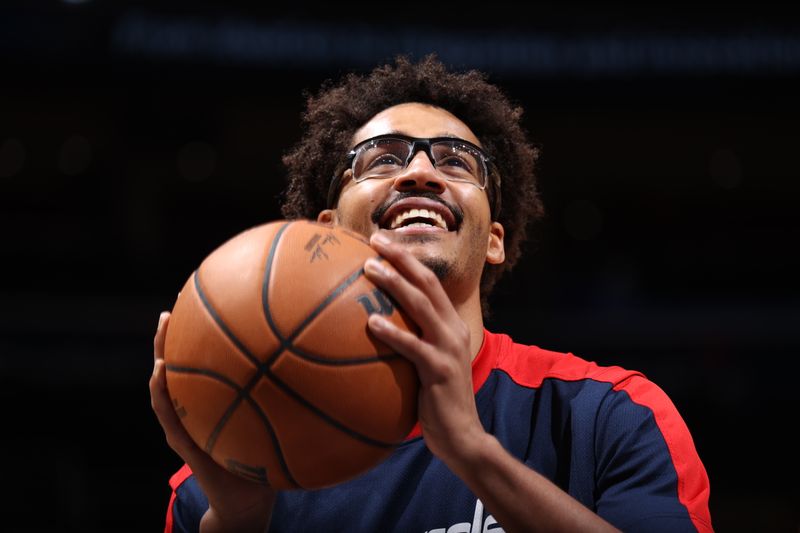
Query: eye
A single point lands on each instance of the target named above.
(383, 160)
(384, 156)
(455, 161)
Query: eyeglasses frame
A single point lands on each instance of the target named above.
(425, 144)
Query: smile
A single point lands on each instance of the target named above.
(418, 218)
(421, 213)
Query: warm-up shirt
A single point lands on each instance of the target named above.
(609, 437)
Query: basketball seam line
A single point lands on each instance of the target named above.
(328, 418)
(242, 392)
(210, 373)
(286, 344)
(345, 362)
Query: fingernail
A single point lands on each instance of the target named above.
(157, 364)
(380, 239)
(377, 322)
(373, 266)
(161, 318)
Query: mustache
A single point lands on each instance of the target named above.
(458, 213)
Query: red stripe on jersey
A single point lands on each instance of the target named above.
(693, 484)
(175, 481)
(529, 366)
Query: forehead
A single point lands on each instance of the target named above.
(415, 120)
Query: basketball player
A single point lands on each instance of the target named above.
(434, 167)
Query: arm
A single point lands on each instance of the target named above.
(518, 497)
(235, 504)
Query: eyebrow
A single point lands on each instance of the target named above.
(445, 134)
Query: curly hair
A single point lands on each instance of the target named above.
(334, 114)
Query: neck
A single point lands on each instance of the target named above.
(471, 313)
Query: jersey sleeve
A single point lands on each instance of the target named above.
(649, 475)
(187, 505)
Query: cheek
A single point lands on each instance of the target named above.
(476, 205)
(356, 205)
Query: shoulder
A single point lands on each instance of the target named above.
(634, 426)
(606, 390)
(530, 365)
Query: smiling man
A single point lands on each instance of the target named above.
(419, 179)
(434, 167)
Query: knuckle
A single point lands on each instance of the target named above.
(442, 369)
(428, 278)
(171, 441)
(391, 277)
(463, 333)
(421, 303)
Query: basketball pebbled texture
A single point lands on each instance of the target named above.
(270, 364)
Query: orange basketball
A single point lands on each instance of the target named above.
(270, 364)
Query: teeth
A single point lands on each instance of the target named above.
(435, 218)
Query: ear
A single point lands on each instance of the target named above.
(327, 216)
(496, 251)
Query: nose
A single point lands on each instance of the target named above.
(420, 175)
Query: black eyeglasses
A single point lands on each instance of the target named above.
(385, 156)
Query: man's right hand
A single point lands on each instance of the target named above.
(235, 504)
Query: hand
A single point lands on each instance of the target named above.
(441, 352)
(235, 504)
(520, 498)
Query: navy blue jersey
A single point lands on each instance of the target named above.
(607, 436)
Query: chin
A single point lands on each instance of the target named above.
(439, 266)
(418, 238)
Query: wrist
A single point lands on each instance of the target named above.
(473, 454)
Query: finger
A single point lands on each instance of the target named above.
(212, 475)
(176, 434)
(160, 401)
(414, 271)
(410, 298)
(399, 340)
(161, 335)
(159, 397)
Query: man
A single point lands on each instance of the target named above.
(435, 169)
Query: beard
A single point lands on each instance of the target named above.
(440, 267)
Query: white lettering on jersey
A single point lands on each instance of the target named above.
(475, 526)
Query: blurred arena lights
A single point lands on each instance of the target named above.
(312, 44)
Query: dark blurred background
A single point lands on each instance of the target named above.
(136, 137)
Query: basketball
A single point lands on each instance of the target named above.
(271, 367)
